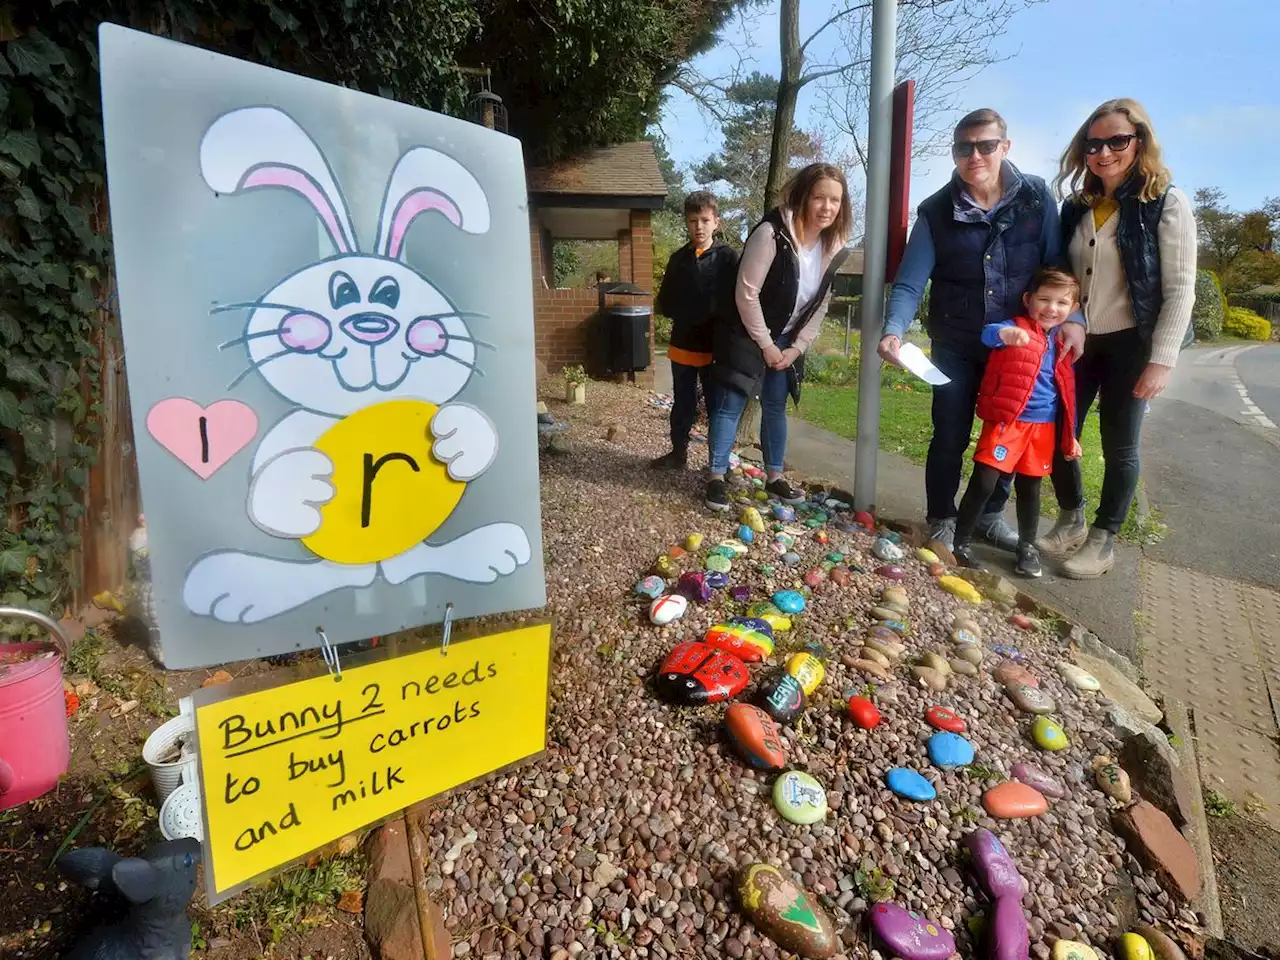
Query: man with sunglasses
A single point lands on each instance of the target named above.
(979, 240)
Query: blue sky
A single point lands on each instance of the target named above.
(1207, 73)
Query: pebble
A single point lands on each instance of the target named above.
(887, 650)
(909, 784)
(651, 587)
(841, 577)
(748, 638)
(1040, 779)
(944, 718)
(949, 750)
(808, 670)
(1008, 672)
(1030, 700)
(789, 601)
(1013, 800)
(885, 613)
(869, 667)
(799, 798)
(864, 713)
(875, 656)
(1079, 678)
(937, 570)
(1112, 780)
(910, 935)
(891, 572)
(1049, 735)
(667, 609)
(785, 913)
(930, 679)
(935, 661)
(755, 736)
(971, 654)
(962, 667)
(694, 673)
(782, 697)
(894, 596)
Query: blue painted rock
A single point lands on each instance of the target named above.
(909, 784)
(807, 669)
(667, 609)
(996, 869)
(864, 713)
(1039, 779)
(746, 534)
(887, 551)
(694, 586)
(755, 736)
(785, 914)
(950, 750)
(1013, 800)
(1004, 650)
(716, 581)
(782, 697)
(1007, 935)
(735, 548)
(784, 513)
(651, 587)
(695, 673)
(799, 798)
(791, 559)
(891, 571)
(816, 649)
(789, 601)
(1048, 734)
(909, 935)
(742, 638)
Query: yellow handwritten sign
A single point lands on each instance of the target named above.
(286, 770)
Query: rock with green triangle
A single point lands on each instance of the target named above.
(785, 913)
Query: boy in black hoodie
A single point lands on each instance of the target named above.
(696, 276)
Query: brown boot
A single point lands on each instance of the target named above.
(1094, 559)
(1067, 535)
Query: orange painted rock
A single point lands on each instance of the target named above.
(1014, 801)
(864, 713)
(755, 736)
(937, 570)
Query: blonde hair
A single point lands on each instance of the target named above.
(796, 198)
(1149, 162)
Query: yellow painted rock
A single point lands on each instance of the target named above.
(958, 587)
(780, 622)
(751, 517)
(390, 493)
(926, 556)
(808, 670)
(1134, 947)
(1073, 950)
(693, 541)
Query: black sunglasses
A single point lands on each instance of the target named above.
(1118, 144)
(965, 148)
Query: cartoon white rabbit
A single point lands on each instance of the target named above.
(338, 338)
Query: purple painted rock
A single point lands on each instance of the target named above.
(909, 935)
(1014, 801)
(997, 871)
(716, 581)
(1039, 779)
(740, 594)
(755, 736)
(694, 586)
(1007, 934)
(785, 913)
(1007, 672)
(891, 571)
(695, 673)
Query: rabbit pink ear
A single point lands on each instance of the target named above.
(426, 180)
(413, 206)
(300, 182)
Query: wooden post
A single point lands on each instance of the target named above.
(749, 426)
(848, 324)
(435, 941)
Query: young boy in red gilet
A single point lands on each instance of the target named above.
(1027, 404)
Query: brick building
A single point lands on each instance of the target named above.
(607, 194)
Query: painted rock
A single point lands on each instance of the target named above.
(944, 718)
(1008, 672)
(909, 784)
(996, 869)
(784, 538)
(814, 579)
(740, 594)
(731, 549)
(835, 556)
(1113, 780)
(1007, 935)
(929, 678)
(822, 538)
(746, 534)
(667, 609)
(968, 633)
(744, 638)
(962, 667)
(887, 551)
(909, 935)
(1078, 678)
(926, 556)
(752, 520)
(1163, 947)
(937, 570)
(664, 566)
(1022, 621)
(694, 586)
(781, 697)
(695, 673)
(871, 667)
(1029, 699)
(693, 541)
(808, 669)
(799, 798)
(865, 518)
(791, 559)
(950, 750)
(891, 571)
(717, 581)
(892, 536)
(841, 577)
(897, 626)
(767, 569)
(675, 552)
(1004, 650)
(1040, 779)
(1049, 735)
(785, 913)
(755, 736)
(1134, 947)
(779, 548)
(864, 713)
(789, 601)
(784, 513)
(960, 588)
(718, 563)
(813, 522)
(970, 653)
(816, 649)
(1013, 800)
(651, 587)
(1073, 950)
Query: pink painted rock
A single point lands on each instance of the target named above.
(891, 571)
(996, 869)
(909, 935)
(944, 718)
(1040, 779)
(1008, 672)
(841, 577)
(1014, 801)
(1022, 621)
(814, 578)
(864, 713)
(694, 586)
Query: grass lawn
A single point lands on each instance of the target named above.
(906, 426)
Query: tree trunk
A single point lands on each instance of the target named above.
(785, 113)
(748, 428)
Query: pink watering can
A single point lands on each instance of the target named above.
(34, 748)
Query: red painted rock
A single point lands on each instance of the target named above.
(1013, 800)
(1022, 621)
(814, 578)
(675, 553)
(937, 570)
(864, 713)
(841, 577)
(866, 519)
(695, 673)
(755, 736)
(944, 718)
(891, 571)
(1010, 673)
(822, 537)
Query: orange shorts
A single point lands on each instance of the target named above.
(1025, 448)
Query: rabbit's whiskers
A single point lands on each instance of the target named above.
(470, 366)
(257, 305)
(250, 336)
(258, 364)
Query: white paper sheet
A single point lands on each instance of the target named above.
(913, 359)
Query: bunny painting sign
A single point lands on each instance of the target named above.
(328, 323)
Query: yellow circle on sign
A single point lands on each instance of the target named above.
(390, 492)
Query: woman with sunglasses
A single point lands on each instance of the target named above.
(1131, 240)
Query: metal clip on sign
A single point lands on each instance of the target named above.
(330, 654)
(448, 629)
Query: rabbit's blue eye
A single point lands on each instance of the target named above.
(386, 292)
(342, 290)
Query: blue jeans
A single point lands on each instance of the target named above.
(953, 409)
(684, 400)
(727, 405)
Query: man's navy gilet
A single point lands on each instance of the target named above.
(981, 269)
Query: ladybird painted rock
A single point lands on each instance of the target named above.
(808, 669)
(782, 697)
(667, 609)
(695, 673)
(909, 935)
(785, 913)
(864, 713)
(747, 638)
(755, 736)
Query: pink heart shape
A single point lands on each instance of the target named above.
(203, 438)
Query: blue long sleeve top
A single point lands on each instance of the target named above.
(1042, 407)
